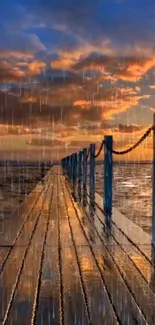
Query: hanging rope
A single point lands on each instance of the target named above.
(145, 135)
(100, 149)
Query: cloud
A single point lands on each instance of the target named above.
(129, 28)
(132, 128)
(126, 69)
(21, 42)
(35, 67)
(17, 71)
(68, 99)
(18, 55)
(43, 142)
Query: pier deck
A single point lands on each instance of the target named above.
(61, 264)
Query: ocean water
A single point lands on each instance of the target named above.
(132, 189)
(15, 183)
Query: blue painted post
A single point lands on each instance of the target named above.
(67, 165)
(62, 163)
(108, 175)
(153, 190)
(74, 175)
(71, 167)
(71, 175)
(80, 166)
(92, 172)
(79, 174)
(84, 168)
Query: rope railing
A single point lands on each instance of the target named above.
(145, 135)
(99, 151)
(75, 166)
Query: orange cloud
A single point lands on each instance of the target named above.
(135, 70)
(13, 71)
(111, 106)
(35, 67)
(17, 55)
(63, 63)
(28, 99)
(126, 69)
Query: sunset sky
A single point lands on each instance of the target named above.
(74, 71)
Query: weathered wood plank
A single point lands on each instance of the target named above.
(64, 266)
(75, 304)
(100, 305)
(48, 304)
(16, 258)
(11, 224)
(121, 296)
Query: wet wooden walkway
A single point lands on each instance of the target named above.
(61, 264)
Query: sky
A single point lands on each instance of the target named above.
(74, 71)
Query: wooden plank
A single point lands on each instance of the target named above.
(28, 284)
(129, 228)
(17, 256)
(11, 224)
(93, 281)
(48, 304)
(134, 278)
(68, 268)
(75, 309)
(141, 254)
(127, 309)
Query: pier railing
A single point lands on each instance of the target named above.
(75, 166)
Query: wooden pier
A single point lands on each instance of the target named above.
(60, 263)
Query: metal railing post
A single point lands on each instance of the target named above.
(92, 172)
(108, 175)
(153, 190)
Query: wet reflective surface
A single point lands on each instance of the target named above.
(63, 264)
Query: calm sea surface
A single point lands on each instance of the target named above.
(132, 189)
(15, 183)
